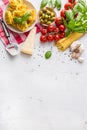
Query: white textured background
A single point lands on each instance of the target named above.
(40, 94)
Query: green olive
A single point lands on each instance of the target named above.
(49, 17)
(45, 20)
(49, 22)
(43, 15)
(44, 10)
(46, 16)
(52, 14)
(53, 18)
(40, 13)
(48, 12)
(42, 21)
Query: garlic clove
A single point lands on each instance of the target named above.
(81, 59)
(73, 54)
(81, 49)
(75, 45)
(77, 55)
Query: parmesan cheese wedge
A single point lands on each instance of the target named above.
(28, 46)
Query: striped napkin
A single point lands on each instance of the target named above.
(15, 37)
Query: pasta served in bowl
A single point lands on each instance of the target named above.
(19, 16)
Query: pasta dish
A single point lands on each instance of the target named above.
(19, 15)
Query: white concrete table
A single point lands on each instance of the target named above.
(40, 94)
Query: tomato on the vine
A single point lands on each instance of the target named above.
(62, 13)
(56, 30)
(43, 38)
(68, 6)
(58, 21)
(50, 37)
(57, 37)
(62, 28)
(44, 31)
(72, 1)
(50, 28)
(62, 35)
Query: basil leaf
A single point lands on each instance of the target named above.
(52, 3)
(58, 4)
(80, 29)
(78, 8)
(79, 16)
(82, 2)
(43, 3)
(48, 54)
(69, 14)
(25, 16)
(17, 20)
(71, 24)
(68, 31)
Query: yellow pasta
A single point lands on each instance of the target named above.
(64, 43)
(17, 9)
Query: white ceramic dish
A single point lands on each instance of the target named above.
(14, 29)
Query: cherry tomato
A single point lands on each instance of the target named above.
(62, 28)
(72, 1)
(62, 13)
(56, 30)
(44, 31)
(62, 35)
(43, 38)
(50, 28)
(68, 6)
(50, 37)
(58, 21)
(56, 37)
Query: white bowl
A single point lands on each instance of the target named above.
(14, 29)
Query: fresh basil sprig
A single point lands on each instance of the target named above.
(58, 4)
(23, 19)
(52, 3)
(82, 2)
(43, 3)
(77, 23)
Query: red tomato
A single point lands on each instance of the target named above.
(50, 37)
(58, 21)
(68, 6)
(50, 28)
(43, 31)
(72, 1)
(43, 38)
(62, 35)
(56, 37)
(56, 30)
(62, 28)
(62, 13)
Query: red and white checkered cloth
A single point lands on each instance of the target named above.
(15, 37)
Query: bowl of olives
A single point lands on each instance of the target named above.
(46, 16)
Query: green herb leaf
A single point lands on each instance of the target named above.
(22, 19)
(68, 31)
(17, 20)
(52, 3)
(25, 16)
(43, 3)
(69, 14)
(58, 4)
(78, 8)
(48, 54)
(82, 2)
(80, 29)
